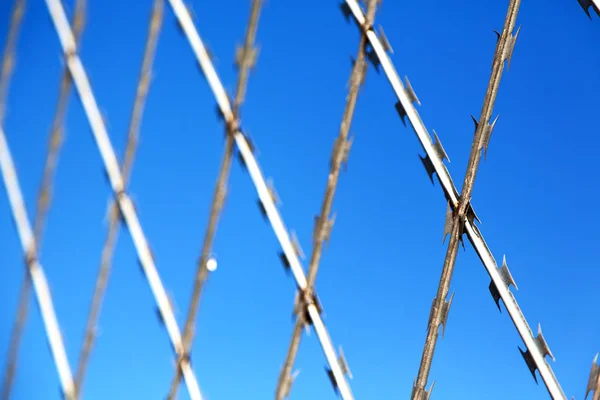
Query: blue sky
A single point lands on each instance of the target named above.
(534, 194)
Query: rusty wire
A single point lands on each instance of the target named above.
(8, 58)
(323, 224)
(8, 63)
(245, 60)
(44, 200)
(440, 307)
(156, 19)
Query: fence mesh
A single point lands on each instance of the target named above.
(374, 49)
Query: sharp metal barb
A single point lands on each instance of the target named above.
(542, 348)
(586, 4)
(323, 225)
(451, 194)
(155, 24)
(245, 59)
(258, 179)
(127, 209)
(419, 393)
(594, 380)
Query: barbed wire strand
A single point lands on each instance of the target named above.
(143, 86)
(8, 58)
(43, 205)
(245, 60)
(28, 241)
(501, 278)
(440, 306)
(323, 224)
(267, 197)
(8, 61)
(126, 206)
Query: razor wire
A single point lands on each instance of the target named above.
(433, 162)
(267, 196)
(142, 90)
(245, 60)
(483, 131)
(28, 239)
(43, 203)
(586, 4)
(323, 223)
(127, 208)
(537, 348)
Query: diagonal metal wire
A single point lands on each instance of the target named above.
(245, 60)
(43, 204)
(266, 195)
(440, 306)
(26, 236)
(323, 224)
(115, 177)
(501, 278)
(113, 230)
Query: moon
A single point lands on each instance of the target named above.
(211, 264)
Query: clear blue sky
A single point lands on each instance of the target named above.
(535, 195)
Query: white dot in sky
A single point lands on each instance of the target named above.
(211, 264)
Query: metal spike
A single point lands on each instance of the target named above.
(261, 207)
(507, 279)
(332, 380)
(372, 56)
(412, 97)
(289, 381)
(161, 320)
(344, 364)
(449, 222)
(471, 216)
(273, 192)
(346, 11)
(445, 310)
(384, 41)
(285, 262)
(586, 4)
(296, 245)
(428, 166)
(410, 92)
(530, 363)
(510, 47)
(542, 346)
(401, 112)
(594, 379)
(506, 275)
(346, 150)
(498, 36)
(439, 149)
(243, 58)
(421, 394)
(328, 226)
